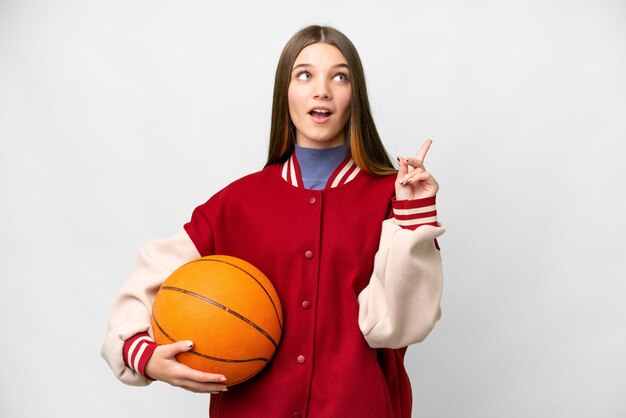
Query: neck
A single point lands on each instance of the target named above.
(316, 165)
(309, 143)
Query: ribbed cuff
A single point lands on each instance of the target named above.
(137, 351)
(411, 214)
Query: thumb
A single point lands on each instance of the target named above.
(178, 347)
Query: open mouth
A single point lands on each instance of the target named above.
(320, 115)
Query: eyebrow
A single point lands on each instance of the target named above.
(341, 65)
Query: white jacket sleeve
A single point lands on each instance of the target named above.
(400, 305)
(130, 313)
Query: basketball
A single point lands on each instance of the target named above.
(228, 308)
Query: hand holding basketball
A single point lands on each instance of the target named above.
(228, 308)
(416, 183)
(163, 366)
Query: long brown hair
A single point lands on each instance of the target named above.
(364, 143)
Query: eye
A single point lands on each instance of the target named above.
(341, 77)
(303, 75)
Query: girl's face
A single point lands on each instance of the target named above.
(319, 96)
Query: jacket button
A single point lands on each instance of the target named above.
(300, 359)
(312, 200)
(306, 304)
(309, 254)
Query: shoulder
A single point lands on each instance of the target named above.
(251, 181)
(382, 183)
(244, 187)
(386, 179)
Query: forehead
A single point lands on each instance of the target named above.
(320, 54)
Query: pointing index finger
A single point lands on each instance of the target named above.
(421, 153)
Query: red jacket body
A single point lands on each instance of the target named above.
(317, 247)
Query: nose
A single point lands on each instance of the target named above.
(321, 92)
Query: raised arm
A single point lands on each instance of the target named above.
(401, 304)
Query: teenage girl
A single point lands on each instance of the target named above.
(347, 240)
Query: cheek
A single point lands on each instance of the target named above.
(345, 100)
(295, 98)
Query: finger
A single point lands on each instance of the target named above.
(201, 387)
(182, 371)
(414, 178)
(421, 153)
(187, 372)
(170, 350)
(403, 169)
(410, 174)
(202, 377)
(423, 176)
(414, 162)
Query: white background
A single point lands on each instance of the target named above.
(117, 118)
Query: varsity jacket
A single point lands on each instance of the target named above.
(356, 288)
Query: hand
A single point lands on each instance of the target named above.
(164, 366)
(416, 183)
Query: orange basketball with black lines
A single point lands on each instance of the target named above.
(228, 308)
